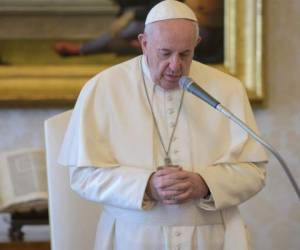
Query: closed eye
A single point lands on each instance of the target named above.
(185, 54)
(164, 53)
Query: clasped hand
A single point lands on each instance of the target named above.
(173, 185)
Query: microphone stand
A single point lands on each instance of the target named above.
(188, 84)
(236, 120)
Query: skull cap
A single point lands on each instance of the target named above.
(170, 9)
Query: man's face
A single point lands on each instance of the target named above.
(169, 48)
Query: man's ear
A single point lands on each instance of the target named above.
(143, 41)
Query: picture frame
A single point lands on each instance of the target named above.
(56, 85)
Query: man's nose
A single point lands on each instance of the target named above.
(175, 63)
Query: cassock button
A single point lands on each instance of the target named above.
(176, 151)
(177, 233)
(177, 247)
(169, 98)
(171, 111)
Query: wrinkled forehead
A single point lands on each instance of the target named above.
(173, 23)
(173, 27)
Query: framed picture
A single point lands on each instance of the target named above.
(56, 84)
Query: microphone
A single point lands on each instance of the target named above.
(189, 85)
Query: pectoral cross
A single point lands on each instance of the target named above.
(167, 161)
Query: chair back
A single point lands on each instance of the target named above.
(73, 220)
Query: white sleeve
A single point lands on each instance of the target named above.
(119, 186)
(232, 184)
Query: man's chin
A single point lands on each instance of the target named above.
(172, 79)
(169, 84)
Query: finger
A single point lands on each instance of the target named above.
(167, 195)
(168, 181)
(169, 166)
(178, 175)
(179, 187)
(185, 196)
(163, 170)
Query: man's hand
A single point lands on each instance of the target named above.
(173, 185)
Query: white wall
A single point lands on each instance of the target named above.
(273, 216)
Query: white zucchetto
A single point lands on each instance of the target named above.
(170, 9)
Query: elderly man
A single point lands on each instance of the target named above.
(169, 170)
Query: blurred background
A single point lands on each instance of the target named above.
(273, 216)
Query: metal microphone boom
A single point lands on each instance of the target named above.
(188, 84)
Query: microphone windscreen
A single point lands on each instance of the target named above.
(188, 84)
(184, 81)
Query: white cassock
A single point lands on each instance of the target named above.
(112, 147)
